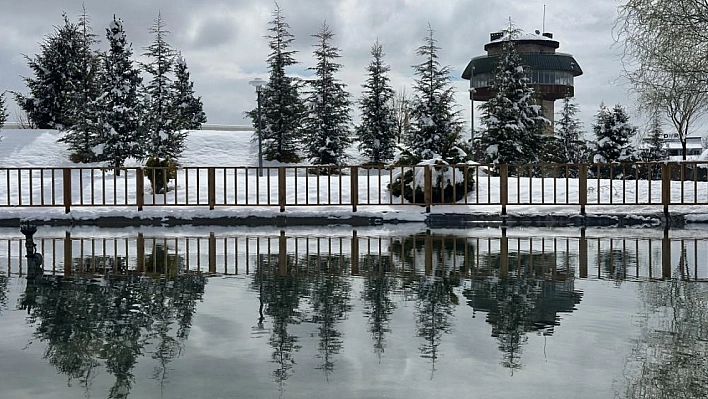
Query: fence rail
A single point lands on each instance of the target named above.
(555, 258)
(663, 184)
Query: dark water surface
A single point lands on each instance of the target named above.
(339, 313)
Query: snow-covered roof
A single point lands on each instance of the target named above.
(524, 37)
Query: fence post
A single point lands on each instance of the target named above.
(67, 189)
(583, 254)
(282, 198)
(666, 188)
(140, 267)
(212, 253)
(140, 188)
(583, 188)
(211, 187)
(355, 253)
(503, 187)
(504, 255)
(354, 191)
(68, 254)
(282, 254)
(666, 255)
(427, 187)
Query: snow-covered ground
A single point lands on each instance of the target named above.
(211, 148)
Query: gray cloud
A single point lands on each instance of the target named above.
(224, 45)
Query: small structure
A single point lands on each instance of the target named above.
(552, 73)
(674, 149)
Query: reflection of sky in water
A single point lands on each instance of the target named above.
(587, 350)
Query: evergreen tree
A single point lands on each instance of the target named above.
(570, 146)
(654, 142)
(282, 109)
(120, 105)
(59, 73)
(435, 128)
(189, 113)
(83, 135)
(328, 122)
(3, 110)
(434, 137)
(163, 141)
(377, 132)
(613, 135)
(513, 120)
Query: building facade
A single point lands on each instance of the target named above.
(552, 74)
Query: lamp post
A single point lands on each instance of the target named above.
(258, 84)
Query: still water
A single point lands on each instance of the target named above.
(343, 313)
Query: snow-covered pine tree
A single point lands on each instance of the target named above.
(3, 110)
(83, 135)
(162, 143)
(162, 140)
(613, 135)
(435, 125)
(327, 126)
(570, 145)
(282, 109)
(120, 104)
(58, 77)
(377, 132)
(654, 142)
(434, 137)
(513, 121)
(189, 112)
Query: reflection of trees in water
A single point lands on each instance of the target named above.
(3, 292)
(280, 290)
(379, 285)
(615, 263)
(670, 357)
(530, 301)
(434, 312)
(436, 299)
(330, 297)
(89, 322)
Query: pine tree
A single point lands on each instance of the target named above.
(3, 110)
(435, 134)
(163, 141)
(654, 142)
(613, 135)
(282, 109)
(83, 135)
(327, 126)
(120, 104)
(377, 132)
(513, 121)
(59, 74)
(570, 146)
(435, 128)
(189, 113)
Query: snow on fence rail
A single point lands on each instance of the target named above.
(579, 185)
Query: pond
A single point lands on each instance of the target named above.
(389, 312)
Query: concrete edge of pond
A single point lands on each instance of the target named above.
(451, 220)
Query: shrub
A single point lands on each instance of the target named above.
(160, 172)
(449, 183)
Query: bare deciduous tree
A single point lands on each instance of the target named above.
(665, 58)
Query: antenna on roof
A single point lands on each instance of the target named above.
(543, 29)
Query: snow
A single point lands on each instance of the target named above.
(205, 148)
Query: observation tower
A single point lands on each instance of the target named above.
(551, 73)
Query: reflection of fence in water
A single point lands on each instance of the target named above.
(556, 258)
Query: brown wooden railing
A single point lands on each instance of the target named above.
(661, 184)
(483, 254)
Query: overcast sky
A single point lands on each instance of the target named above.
(224, 46)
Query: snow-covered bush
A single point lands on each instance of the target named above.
(449, 183)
